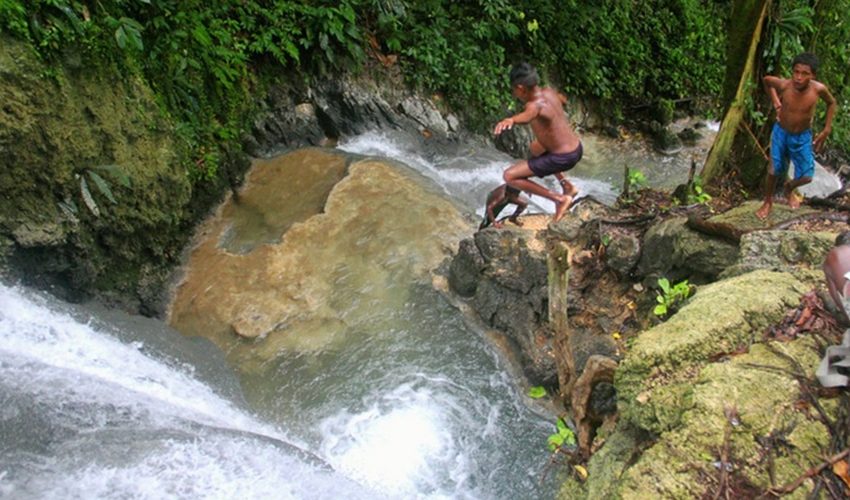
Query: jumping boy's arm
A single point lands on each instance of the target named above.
(771, 85)
(532, 109)
(824, 94)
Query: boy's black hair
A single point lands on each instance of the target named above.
(843, 239)
(511, 190)
(524, 74)
(808, 59)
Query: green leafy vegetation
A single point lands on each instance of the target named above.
(670, 298)
(636, 179)
(209, 61)
(537, 392)
(563, 437)
(70, 208)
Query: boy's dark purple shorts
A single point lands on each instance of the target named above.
(548, 164)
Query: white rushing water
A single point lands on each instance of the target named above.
(86, 415)
(88, 410)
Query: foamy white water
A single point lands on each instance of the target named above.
(84, 415)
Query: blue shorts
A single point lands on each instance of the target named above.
(796, 147)
(549, 163)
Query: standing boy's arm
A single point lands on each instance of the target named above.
(531, 111)
(824, 94)
(771, 85)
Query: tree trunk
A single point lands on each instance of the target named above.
(745, 30)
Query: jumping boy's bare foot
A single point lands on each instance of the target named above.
(764, 211)
(562, 207)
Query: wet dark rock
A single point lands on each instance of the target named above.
(666, 142)
(506, 283)
(623, 253)
(515, 141)
(689, 136)
(672, 250)
(465, 269)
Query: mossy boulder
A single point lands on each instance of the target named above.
(801, 254)
(752, 398)
(57, 127)
(655, 380)
(705, 384)
(674, 251)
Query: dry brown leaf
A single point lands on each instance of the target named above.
(842, 470)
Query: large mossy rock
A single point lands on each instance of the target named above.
(55, 131)
(676, 252)
(758, 390)
(655, 381)
(786, 251)
(705, 374)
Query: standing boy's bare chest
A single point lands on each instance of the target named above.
(799, 103)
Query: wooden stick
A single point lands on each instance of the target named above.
(814, 471)
(755, 139)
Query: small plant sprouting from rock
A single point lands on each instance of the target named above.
(564, 436)
(697, 194)
(69, 207)
(636, 179)
(671, 297)
(537, 392)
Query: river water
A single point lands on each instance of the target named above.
(335, 370)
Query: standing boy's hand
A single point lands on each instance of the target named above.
(820, 139)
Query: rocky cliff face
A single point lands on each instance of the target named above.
(95, 193)
(709, 385)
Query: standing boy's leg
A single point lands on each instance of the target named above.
(799, 148)
(776, 168)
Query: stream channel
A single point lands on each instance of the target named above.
(335, 369)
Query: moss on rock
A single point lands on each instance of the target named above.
(724, 317)
(54, 131)
(761, 388)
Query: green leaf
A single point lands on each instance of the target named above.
(102, 186)
(117, 172)
(121, 37)
(660, 310)
(561, 425)
(537, 392)
(87, 197)
(555, 441)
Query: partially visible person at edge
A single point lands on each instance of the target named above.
(795, 101)
(497, 200)
(556, 148)
(836, 268)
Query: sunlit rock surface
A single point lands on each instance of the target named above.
(310, 241)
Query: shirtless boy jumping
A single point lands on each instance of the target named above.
(556, 149)
(795, 101)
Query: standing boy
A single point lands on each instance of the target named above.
(556, 149)
(497, 200)
(795, 101)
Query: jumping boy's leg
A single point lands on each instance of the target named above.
(567, 186)
(517, 176)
